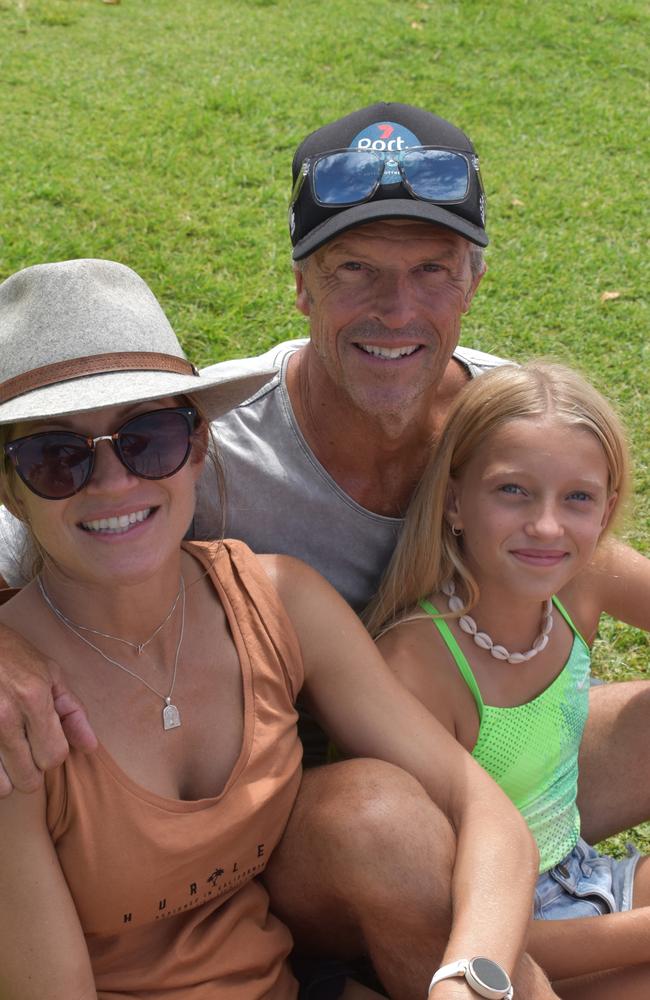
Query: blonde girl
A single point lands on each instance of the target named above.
(486, 613)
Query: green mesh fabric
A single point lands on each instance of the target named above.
(531, 750)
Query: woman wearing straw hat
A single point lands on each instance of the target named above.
(134, 871)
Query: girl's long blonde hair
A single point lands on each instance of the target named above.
(428, 554)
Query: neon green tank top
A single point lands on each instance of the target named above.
(531, 750)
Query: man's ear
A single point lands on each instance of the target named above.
(476, 281)
(302, 296)
(612, 500)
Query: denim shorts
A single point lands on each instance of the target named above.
(586, 884)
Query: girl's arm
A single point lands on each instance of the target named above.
(624, 576)
(616, 582)
(578, 947)
(43, 954)
(367, 712)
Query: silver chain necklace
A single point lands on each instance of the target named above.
(171, 718)
(138, 646)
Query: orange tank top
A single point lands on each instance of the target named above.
(166, 890)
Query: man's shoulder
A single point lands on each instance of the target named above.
(264, 405)
(273, 358)
(477, 362)
(276, 357)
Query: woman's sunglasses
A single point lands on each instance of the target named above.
(351, 176)
(57, 464)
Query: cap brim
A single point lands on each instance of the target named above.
(221, 388)
(401, 208)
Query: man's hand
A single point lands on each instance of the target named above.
(39, 717)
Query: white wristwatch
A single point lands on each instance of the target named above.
(483, 975)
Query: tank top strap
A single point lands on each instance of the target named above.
(255, 605)
(459, 657)
(567, 617)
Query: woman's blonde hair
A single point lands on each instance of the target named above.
(428, 554)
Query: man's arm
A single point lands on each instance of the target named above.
(39, 716)
(611, 798)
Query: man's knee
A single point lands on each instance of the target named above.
(368, 802)
(358, 818)
(614, 751)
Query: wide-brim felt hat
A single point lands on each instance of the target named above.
(82, 334)
(384, 126)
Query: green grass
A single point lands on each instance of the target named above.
(160, 133)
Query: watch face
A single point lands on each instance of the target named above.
(489, 974)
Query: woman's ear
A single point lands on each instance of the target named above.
(200, 444)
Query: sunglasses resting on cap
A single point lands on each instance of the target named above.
(385, 161)
(352, 176)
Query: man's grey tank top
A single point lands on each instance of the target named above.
(279, 497)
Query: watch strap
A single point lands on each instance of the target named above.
(462, 967)
(448, 971)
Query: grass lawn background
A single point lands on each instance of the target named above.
(161, 133)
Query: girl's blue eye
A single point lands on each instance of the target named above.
(511, 489)
(579, 495)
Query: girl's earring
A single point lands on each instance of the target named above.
(456, 531)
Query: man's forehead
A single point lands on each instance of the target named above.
(398, 230)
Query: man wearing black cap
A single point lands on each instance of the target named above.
(387, 220)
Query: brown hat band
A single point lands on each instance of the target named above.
(98, 364)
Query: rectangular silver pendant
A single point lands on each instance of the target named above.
(171, 717)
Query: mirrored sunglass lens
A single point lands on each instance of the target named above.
(343, 179)
(155, 445)
(436, 174)
(55, 466)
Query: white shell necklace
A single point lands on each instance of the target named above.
(171, 718)
(482, 639)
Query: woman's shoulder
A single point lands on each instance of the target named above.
(18, 605)
(283, 571)
(6, 593)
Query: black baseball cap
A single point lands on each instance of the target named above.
(384, 127)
